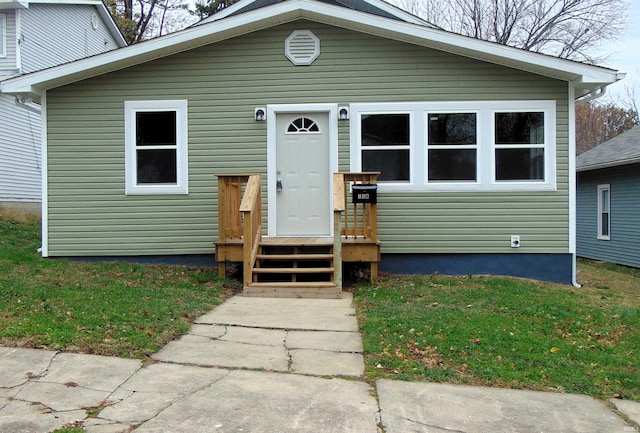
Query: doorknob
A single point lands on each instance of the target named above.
(279, 185)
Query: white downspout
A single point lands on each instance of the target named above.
(45, 185)
(594, 94)
(572, 185)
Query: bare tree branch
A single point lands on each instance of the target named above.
(564, 28)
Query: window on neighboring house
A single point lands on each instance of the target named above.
(3, 35)
(385, 144)
(156, 147)
(519, 144)
(452, 143)
(604, 212)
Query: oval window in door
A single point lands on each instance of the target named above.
(303, 125)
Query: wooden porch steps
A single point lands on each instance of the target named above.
(293, 270)
(326, 290)
(294, 267)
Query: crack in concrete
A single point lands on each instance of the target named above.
(181, 397)
(287, 351)
(444, 429)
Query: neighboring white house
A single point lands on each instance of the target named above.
(34, 35)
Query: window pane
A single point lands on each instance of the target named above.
(155, 128)
(519, 164)
(156, 166)
(393, 165)
(605, 200)
(303, 124)
(519, 128)
(605, 224)
(385, 129)
(452, 164)
(453, 128)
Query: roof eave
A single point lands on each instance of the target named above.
(609, 164)
(36, 83)
(580, 75)
(113, 28)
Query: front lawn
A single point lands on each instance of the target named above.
(505, 332)
(474, 330)
(110, 308)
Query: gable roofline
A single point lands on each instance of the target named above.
(581, 76)
(623, 149)
(101, 8)
(379, 4)
(113, 28)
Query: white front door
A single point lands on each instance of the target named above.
(303, 174)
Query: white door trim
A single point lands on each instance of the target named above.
(272, 111)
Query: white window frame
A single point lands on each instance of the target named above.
(418, 153)
(602, 188)
(385, 109)
(3, 35)
(452, 147)
(181, 186)
(543, 146)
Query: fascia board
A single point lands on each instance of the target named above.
(225, 12)
(387, 7)
(67, 2)
(280, 13)
(399, 13)
(608, 164)
(467, 46)
(111, 24)
(142, 52)
(13, 4)
(102, 11)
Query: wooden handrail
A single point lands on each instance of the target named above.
(339, 201)
(251, 210)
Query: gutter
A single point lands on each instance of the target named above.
(609, 164)
(592, 94)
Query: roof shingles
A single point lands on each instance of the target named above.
(620, 150)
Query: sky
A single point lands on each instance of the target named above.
(625, 56)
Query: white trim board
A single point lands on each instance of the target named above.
(582, 77)
(272, 111)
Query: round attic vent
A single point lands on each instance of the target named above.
(302, 47)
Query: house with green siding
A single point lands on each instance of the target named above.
(467, 146)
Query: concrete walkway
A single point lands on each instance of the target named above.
(271, 365)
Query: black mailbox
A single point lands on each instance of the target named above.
(364, 193)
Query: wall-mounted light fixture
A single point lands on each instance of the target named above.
(260, 114)
(343, 113)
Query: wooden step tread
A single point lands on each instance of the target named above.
(292, 270)
(297, 242)
(294, 290)
(294, 256)
(305, 284)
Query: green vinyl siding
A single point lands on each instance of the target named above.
(89, 214)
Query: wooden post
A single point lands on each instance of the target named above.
(338, 209)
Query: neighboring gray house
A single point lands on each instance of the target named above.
(608, 200)
(35, 35)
